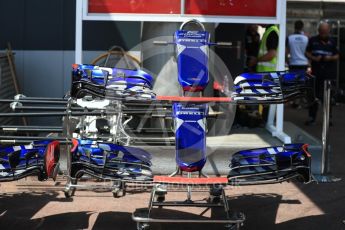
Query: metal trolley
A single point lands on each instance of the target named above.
(217, 199)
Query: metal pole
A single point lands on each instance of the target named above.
(325, 127)
(61, 114)
(43, 108)
(15, 141)
(183, 6)
(30, 129)
(189, 188)
(338, 61)
(32, 114)
(32, 138)
(33, 101)
(68, 148)
(52, 138)
(20, 97)
(79, 32)
(86, 110)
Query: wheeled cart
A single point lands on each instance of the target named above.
(217, 199)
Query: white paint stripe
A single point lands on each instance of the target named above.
(280, 149)
(180, 49)
(271, 151)
(274, 75)
(239, 79)
(204, 49)
(110, 70)
(178, 123)
(28, 146)
(261, 91)
(202, 123)
(16, 148)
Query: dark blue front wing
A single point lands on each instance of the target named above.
(272, 87)
(39, 158)
(271, 165)
(114, 83)
(109, 161)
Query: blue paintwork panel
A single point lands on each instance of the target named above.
(110, 82)
(190, 135)
(110, 160)
(192, 59)
(19, 161)
(279, 162)
(272, 86)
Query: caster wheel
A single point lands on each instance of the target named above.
(232, 227)
(143, 226)
(41, 177)
(214, 199)
(216, 191)
(69, 193)
(117, 193)
(160, 198)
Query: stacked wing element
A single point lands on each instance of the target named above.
(109, 161)
(37, 159)
(270, 88)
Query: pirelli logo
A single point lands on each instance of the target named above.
(189, 113)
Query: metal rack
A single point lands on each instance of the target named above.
(217, 199)
(118, 135)
(71, 110)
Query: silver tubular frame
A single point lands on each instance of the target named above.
(325, 127)
(232, 220)
(118, 135)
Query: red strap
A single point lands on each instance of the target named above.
(190, 181)
(194, 99)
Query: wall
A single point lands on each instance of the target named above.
(42, 34)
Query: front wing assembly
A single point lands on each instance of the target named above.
(272, 87)
(109, 161)
(271, 165)
(37, 159)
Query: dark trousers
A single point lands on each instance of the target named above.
(298, 67)
(319, 94)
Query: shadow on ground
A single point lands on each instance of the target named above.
(261, 212)
(17, 211)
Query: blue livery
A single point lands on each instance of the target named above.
(272, 87)
(272, 164)
(190, 135)
(192, 55)
(39, 158)
(109, 161)
(113, 83)
(192, 48)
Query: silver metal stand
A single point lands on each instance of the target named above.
(69, 188)
(145, 216)
(325, 128)
(325, 158)
(113, 113)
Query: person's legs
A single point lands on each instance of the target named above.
(297, 103)
(298, 68)
(313, 108)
